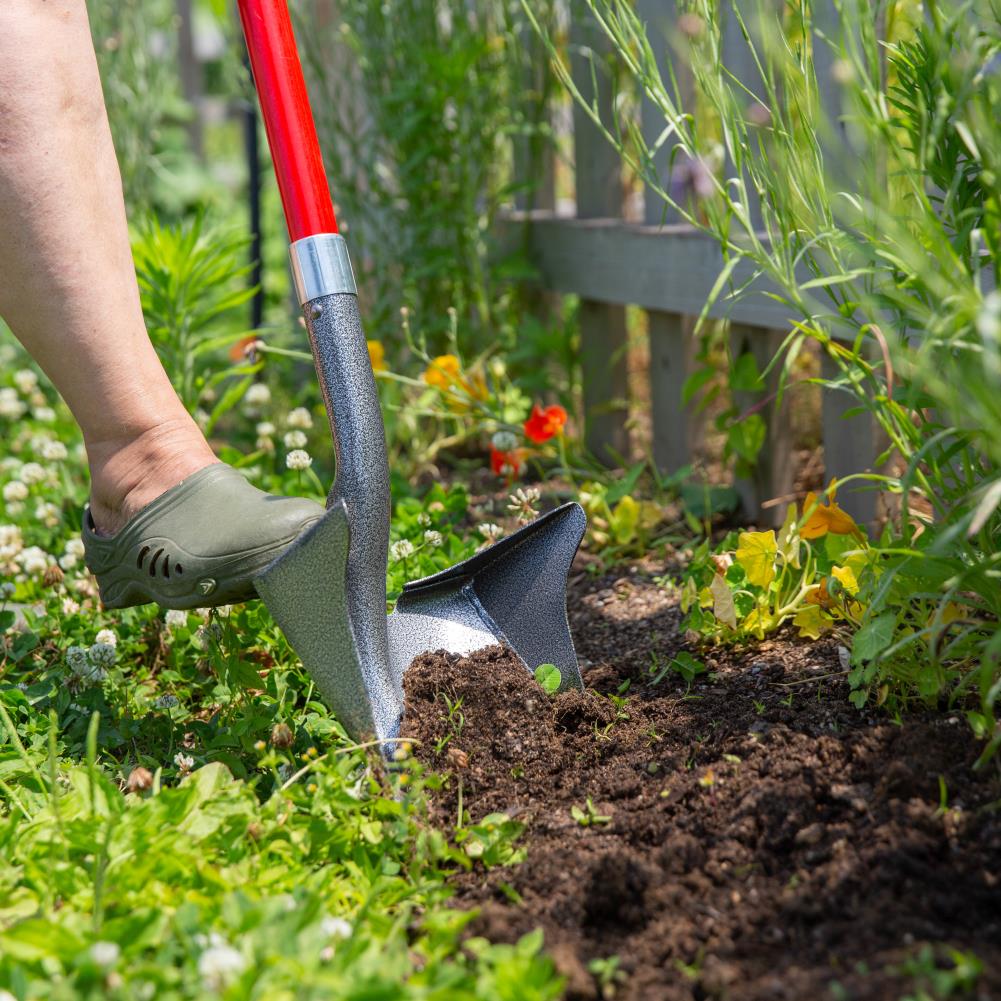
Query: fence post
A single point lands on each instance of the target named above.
(599, 195)
(772, 477)
(851, 443)
(671, 335)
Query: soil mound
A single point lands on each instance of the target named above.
(750, 836)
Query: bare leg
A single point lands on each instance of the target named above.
(67, 281)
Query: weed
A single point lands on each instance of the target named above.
(589, 817)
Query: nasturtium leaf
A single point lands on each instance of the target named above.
(756, 554)
(723, 607)
(759, 622)
(873, 638)
(811, 621)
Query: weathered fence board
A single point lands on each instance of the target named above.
(602, 321)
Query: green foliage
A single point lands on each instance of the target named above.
(418, 102)
(589, 817)
(549, 678)
(882, 239)
(191, 279)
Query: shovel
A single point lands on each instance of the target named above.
(327, 592)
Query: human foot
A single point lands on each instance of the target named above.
(128, 474)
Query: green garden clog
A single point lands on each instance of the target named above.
(197, 545)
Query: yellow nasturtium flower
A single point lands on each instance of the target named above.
(377, 356)
(443, 372)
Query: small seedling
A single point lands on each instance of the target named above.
(685, 665)
(759, 707)
(607, 973)
(589, 817)
(549, 678)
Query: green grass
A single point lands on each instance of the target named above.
(180, 816)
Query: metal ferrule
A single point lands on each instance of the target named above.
(321, 266)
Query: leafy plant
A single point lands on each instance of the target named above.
(191, 279)
(549, 678)
(589, 817)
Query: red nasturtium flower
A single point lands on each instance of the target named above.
(507, 464)
(545, 424)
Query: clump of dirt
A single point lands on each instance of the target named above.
(750, 836)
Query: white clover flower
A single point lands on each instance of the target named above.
(264, 444)
(11, 405)
(77, 660)
(34, 561)
(74, 547)
(258, 395)
(102, 655)
(184, 762)
(105, 953)
(7, 590)
(53, 451)
(220, 965)
(175, 619)
(7, 996)
(265, 429)
(44, 414)
(11, 542)
(433, 538)
(335, 927)
(15, 491)
(295, 439)
(424, 519)
(26, 380)
(68, 561)
(48, 514)
(299, 418)
(522, 503)
(298, 459)
(490, 531)
(70, 607)
(167, 702)
(401, 550)
(504, 441)
(32, 472)
(107, 636)
(14, 508)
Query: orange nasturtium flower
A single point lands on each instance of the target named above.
(446, 375)
(377, 356)
(545, 424)
(824, 518)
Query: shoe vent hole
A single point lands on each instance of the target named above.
(142, 556)
(165, 566)
(152, 564)
(179, 568)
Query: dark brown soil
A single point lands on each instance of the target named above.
(764, 840)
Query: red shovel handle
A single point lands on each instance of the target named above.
(288, 119)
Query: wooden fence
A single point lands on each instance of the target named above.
(669, 269)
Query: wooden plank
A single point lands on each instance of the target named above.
(772, 477)
(599, 195)
(671, 268)
(672, 343)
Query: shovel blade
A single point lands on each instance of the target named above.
(306, 592)
(512, 593)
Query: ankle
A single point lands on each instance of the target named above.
(130, 471)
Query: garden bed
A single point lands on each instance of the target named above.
(756, 837)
